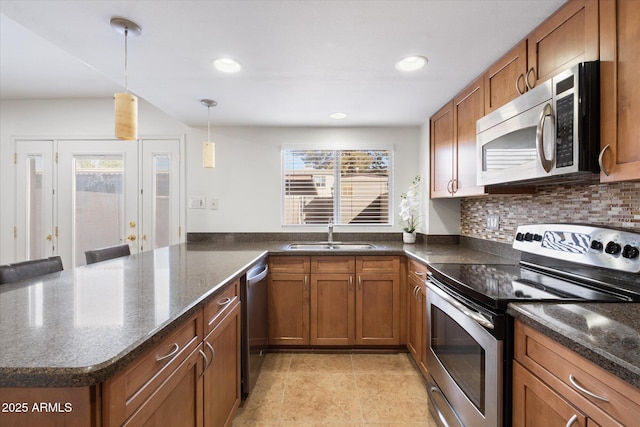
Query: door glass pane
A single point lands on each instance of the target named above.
(35, 204)
(460, 354)
(161, 200)
(98, 203)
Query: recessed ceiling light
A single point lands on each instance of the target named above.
(411, 63)
(338, 116)
(227, 65)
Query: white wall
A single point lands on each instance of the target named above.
(442, 216)
(59, 119)
(246, 179)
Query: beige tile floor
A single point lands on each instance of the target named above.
(336, 390)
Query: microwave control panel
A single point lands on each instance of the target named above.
(564, 131)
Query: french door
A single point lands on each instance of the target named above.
(161, 193)
(75, 195)
(97, 197)
(35, 231)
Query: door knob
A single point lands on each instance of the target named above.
(131, 237)
(49, 237)
(132, 224)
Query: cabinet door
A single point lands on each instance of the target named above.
(378, 309)
(442, 152)
(332, 309)
(536, 405)
(566, 38)
(178, 402)
(414, 340)
(620, 90)
(468, 108)
(222, 376)
(288, 308)
(505, 79)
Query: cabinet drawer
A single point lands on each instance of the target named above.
(378, 264)
(126, 391)
(417, 270)
(567, 372)
(333, 264)
(289, 264)
(220, 303)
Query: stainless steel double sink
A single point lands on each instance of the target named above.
(320, 246)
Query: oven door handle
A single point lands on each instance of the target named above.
(432, 391)
(476, 316)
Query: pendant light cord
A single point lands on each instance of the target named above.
(209, 123)
(126, 85)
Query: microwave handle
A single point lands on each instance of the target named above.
(547, 111)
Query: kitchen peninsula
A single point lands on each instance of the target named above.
(67, 337)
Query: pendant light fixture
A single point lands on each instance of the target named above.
(126, 104)
(208, 147)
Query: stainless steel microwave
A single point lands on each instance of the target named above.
(552, 132)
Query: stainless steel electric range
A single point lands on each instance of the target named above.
(469, 335)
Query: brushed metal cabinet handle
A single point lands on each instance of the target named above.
(224, 301)
(526, 80)
(600, 158)
(174, 350)
(206, 362)
(521, 92)
(574, 383)
(572, 420)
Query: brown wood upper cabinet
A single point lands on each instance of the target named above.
(504, 80)
(453, 144)
(567, 37)
(620, 90)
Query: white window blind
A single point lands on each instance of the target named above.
(350, 186)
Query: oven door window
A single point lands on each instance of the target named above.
(461, 355)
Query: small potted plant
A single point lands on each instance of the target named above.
(409, 207)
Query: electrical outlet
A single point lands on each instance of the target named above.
(493, 222)
(213, 204)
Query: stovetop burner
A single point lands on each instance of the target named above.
(560, 262)
(495, 285)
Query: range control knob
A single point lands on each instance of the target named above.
(596, 245)
(519, 237)
(537, 238)
(528, 237)
(612, 248)
(630, 252)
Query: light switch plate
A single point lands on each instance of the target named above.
(196, 202)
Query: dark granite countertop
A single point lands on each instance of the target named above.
(607, 334)
(78, 327)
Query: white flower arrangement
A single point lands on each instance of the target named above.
(410, 205)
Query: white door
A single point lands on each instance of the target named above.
(35, 231)
(160, 193)
(97, 197)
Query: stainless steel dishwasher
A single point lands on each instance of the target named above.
(255, 334)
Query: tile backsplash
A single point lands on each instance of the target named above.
(616, 205)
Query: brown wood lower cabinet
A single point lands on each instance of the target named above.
(535, 404)
(332, 311)
(378, 309)
(222, 375)
(417, 319)
(551, 384)
(184, 380)
(335, 301)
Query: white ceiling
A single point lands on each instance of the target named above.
(301, 59)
